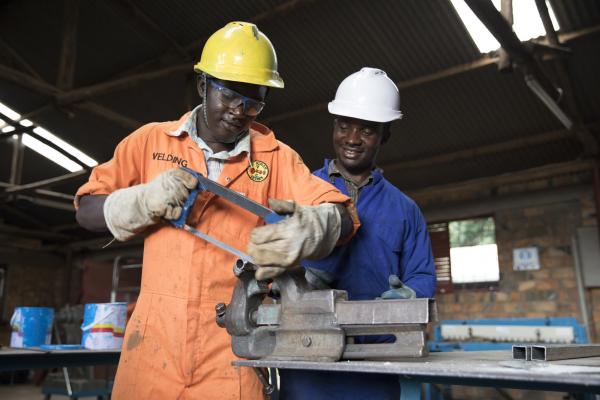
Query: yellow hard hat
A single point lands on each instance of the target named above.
(239, 52)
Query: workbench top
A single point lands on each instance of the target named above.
(476, 368)
(17, 359)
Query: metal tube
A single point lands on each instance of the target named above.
(564, 352)
(521, 352)
(580, 288)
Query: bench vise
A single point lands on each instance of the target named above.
(318, 325)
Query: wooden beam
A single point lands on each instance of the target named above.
(195, 46)
(583, 135)
(17, 60)
(43, 183)
(35, 233)
(446, 73)
(147, 27)
(103, 88)
(27, 81)
(68, 53)
(442, 74)
(513, 144)
(442, 210)
(24, 216)
(106, 113)
(528, 175)
(57, 205)
(46, 89)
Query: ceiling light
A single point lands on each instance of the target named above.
(26, 123)
(50, 153)
(84, 158)
(7, 129)
(9, 112)
(527, 23)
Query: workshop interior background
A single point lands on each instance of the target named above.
(495, 166)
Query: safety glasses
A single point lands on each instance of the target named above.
(232, 99)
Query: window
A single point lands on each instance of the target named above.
(465, 252)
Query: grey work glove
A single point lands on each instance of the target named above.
(398, 290)
(310, 233)
(129, 211)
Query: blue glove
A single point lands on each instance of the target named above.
(398, 290)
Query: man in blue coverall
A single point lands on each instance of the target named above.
(390, 255)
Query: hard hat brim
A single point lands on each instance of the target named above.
(346, 110)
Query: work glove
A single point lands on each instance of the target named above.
(129, 211)
(310, 233)
(398, 290)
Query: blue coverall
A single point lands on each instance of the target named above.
(392, 239)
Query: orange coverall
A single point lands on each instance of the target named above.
(173, 349)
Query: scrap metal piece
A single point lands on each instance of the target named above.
(551, 352)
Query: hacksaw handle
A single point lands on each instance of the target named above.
(270, 218)
(189, 202)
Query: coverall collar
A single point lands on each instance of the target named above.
(262, 139)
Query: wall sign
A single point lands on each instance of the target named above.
(526, 259)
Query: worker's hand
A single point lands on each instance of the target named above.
(310, 233)
(164, 196)
(398, 290)
(129, 211)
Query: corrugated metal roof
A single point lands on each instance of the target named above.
(418, 43)
(576, 14)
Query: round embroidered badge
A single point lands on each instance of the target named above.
(258, 171)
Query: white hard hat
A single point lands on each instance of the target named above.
(368, 95)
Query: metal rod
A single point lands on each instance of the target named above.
(580, 287)
(16, 167)
(563, 352)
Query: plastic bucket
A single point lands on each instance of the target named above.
(103, 325)
(31, 326)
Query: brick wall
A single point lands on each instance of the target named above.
(548, 292)
(35, 280)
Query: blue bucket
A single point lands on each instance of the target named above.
(31, 326)
(103, 325)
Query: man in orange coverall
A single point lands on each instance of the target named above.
(173, 349)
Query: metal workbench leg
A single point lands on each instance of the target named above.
(410, 390)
